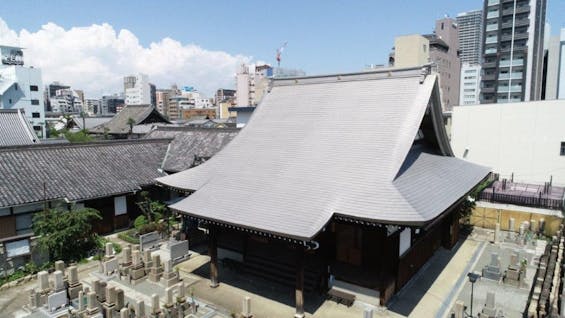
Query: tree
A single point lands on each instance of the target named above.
(66, 235)
(80, 136)
(131, 122)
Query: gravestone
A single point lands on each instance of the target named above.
(497, 232)
(58, 282)
(100, 290)
(492, 270)
(60, 266)
(92, 304)
(140, 308)
(57, 300)
(169, 297)
(124, 313)
(149, 241)
(155, 305)
(111, 266)
(109, 250)
(489, 310)
(137, 269)
(170, 277)
(156, 270)
(120, 299)
(81, 301)
(459, 309)
(74, 284)
(43, 280)
(178, 251)
(542, 226)
(33, 299)
(246, 312)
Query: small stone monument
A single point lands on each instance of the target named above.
(60, 266)
(497, 233)
(169, 300)
(109, 251)
(492, 270)
(92, 304)
(58, 281)
(120, 299)
(137, 269)
(74, 284)
(490, 306)
(170, 277)
(33, 299)
(246, 312)
(100, 290)
(156, 270)
(124, 313)
(459, 309)
(155, 305)
(110, 303)
(139, 309)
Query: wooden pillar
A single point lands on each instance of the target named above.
(299, 290)
(213, 253)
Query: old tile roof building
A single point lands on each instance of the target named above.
(15, 129)
(119, 126)
(192, 146)
(349, 172)
(92, 173)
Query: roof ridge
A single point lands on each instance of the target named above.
(100, 143)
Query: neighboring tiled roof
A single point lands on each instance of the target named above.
(78, 171)
(190, 146)
(15, 129)
(335, 145)
(90, 122)
(141, 114)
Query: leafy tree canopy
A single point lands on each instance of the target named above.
(66, 235)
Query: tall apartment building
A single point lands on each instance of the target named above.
(512, 50)
(137, 90)
(92, 106)
(111, 103)
(555, 79)
(470, 32)
(21, 87)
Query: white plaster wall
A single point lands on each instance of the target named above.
(519, 138)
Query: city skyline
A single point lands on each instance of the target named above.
(202, 45)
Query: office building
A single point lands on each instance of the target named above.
(22, 88)
(469, 92)
(111, 103)
(251, 83)
(137, 90)
(512, 50)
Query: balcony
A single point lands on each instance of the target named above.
(506, 76)
(491, 51)
(491, 40)
(511, 89)
(492, 14)
(539, 196)
(488, 77)
(486, 90)
(493, 2)
(506, 63)
(489, 65)
(492, 27)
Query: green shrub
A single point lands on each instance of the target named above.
(139, 222)
(128, 237)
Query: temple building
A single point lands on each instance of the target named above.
(338, 179)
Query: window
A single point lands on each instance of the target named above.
(563, 148)
(37, 128)
(16, 86)
(120, 205)
(35, 101)
(33, 88)
(35, 115)
(10, 101)
(424, 47)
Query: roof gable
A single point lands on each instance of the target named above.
(15, 129)
(140, 114)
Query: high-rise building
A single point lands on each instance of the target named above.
(92, 106)
(470, 31)
(21, 87)
(137, 90)
(555, 79)
(512, 50)
(410, 50)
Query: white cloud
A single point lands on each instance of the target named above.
(97, 57)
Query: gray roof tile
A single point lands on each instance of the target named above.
(15, 129)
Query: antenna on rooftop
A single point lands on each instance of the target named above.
(279, 52)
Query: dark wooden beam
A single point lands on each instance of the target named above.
(213, 253)
(299, 290)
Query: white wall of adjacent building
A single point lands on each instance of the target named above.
(526, 139)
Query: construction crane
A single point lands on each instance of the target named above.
(279, 52)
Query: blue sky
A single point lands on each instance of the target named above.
(323, 36)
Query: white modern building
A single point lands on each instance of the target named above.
(555, 81)
(252, 83)
(92, 106)
(137, 90)
(21, 87)
(525, 140)
(470, 88)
